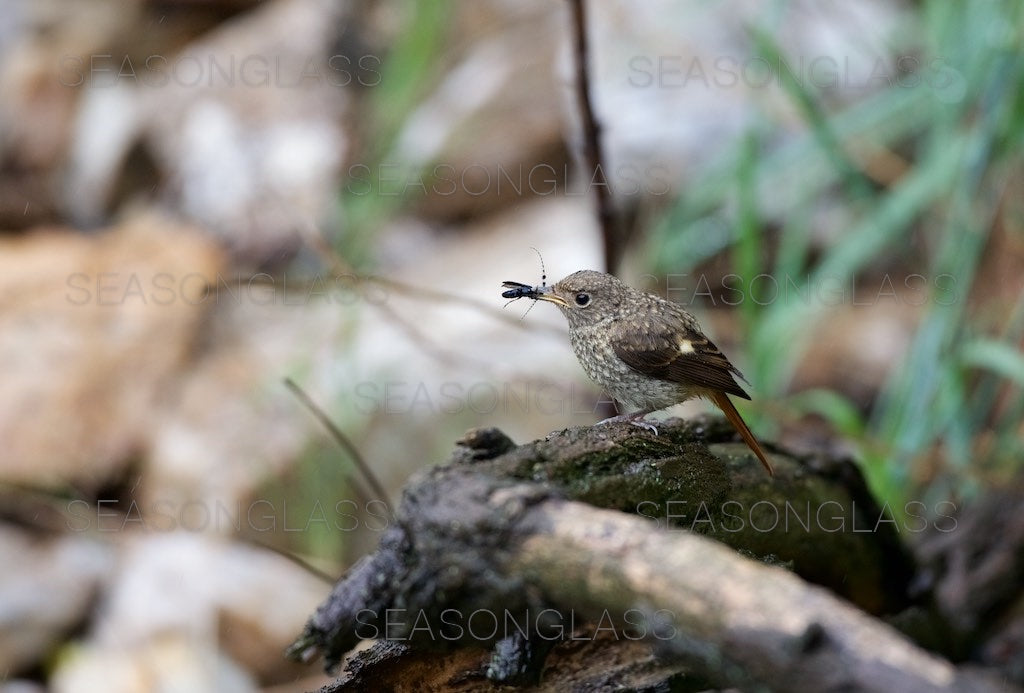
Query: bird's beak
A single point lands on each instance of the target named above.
(547, 293)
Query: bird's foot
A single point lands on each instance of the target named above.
(645, 424)
(636, 418)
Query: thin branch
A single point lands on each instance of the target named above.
(312, 236)
(340, 438)
(432, 294)
(459, 360)
(294, 558)
(592, 152)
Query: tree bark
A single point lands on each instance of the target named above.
(503, 548)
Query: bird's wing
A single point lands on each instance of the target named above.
(672, 349)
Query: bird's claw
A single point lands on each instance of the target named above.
(636, 420)
(646, 425)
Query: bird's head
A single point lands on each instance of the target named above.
(586, 297)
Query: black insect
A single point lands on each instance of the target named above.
(518, 290)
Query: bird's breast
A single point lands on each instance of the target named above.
(594, 350)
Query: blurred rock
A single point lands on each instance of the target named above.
(193, 612)
(489, 134)
(241, 129)
(228, 111)
(170, 662)
(21, 686)
(229, 424)
(47, 588)
(92, 330)
(38, 39)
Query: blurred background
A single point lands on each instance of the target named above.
(201, 198)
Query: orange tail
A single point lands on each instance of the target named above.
(725, 404)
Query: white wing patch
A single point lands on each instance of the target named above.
(685, 346)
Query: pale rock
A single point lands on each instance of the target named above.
(93, 330)
(47, 587)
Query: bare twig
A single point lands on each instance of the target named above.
(458, 360)
(592, 153)
(312, 236)
(292, 557)
(340, 438)
(436, 295)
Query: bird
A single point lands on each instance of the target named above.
(646, 352)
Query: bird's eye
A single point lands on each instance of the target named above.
(582, 300)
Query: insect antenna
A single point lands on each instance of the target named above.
(532, 304)
(543, 271)
(543, 281)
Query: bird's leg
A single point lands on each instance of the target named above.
(636, 418)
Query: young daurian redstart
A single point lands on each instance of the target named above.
(646, 352)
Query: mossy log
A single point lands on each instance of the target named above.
(587, 544)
